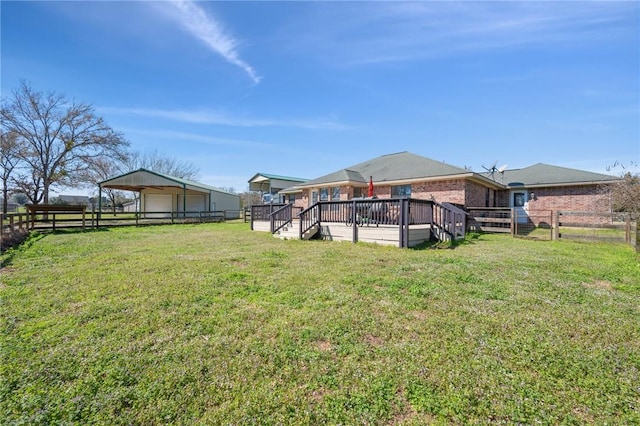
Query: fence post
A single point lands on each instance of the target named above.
(638, 234)
(556, 225)
(513, 222)
(627, 229)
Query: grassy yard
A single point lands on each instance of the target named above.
(220, 325)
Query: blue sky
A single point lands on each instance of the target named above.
(306, 88)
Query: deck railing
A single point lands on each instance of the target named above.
(280, 218)
(446, 221)
(363, 212)
(262, 212)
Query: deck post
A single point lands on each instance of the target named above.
(354, 222)
(403, 223)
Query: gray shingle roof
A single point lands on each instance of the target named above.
(391, 167)
(279, 177)
(545, 174)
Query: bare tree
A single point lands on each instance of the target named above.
(161, 164)
(103, 168)
(625, 193)
(249, 198)
(61, 139)
(10, 150)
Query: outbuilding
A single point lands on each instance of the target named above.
(167, 196)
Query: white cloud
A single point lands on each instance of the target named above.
(210, 31)
(368, 33)
(216, 118)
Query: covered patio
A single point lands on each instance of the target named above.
(162, 196)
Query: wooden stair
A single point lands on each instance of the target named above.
(292, 232)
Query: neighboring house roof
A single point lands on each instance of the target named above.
(259, 177)
(398, 167)
(140, 179)
(540, 175)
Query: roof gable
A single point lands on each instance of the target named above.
(141, 178)
(392, 167)
(544, 174)
(266, 176)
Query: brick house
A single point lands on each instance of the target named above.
(403, 174)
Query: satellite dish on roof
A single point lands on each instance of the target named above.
(501, 170)
(492, 170)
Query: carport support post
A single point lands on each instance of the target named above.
(99, 206)
(184, 202)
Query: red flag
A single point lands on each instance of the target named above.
(370, 186)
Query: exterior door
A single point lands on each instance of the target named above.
(520, 204)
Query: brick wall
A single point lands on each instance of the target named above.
(476, 195)
(450, 191)
(579, 198)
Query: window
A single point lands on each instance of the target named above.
(324, 194)
(357, 192)
(401, 191)
(292, 198)
(335, 194)
(314, 197)
(518, 199)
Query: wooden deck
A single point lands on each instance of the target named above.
(382, 234)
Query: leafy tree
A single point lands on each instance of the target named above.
(19, 198)
(61, 140)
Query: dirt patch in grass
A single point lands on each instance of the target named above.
(599, 284)
(374, 341)
(324, 345)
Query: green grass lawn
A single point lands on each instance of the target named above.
(216, 324)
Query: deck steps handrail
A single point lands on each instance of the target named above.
(281, 217)
(449, 221)
(309, 219)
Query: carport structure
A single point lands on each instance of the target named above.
(168, 196)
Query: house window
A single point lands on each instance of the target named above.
(314, 197)
(324, 194)
(335, 194)
(357, 192)
(292, 198)
(518, 199)
(401, 191)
